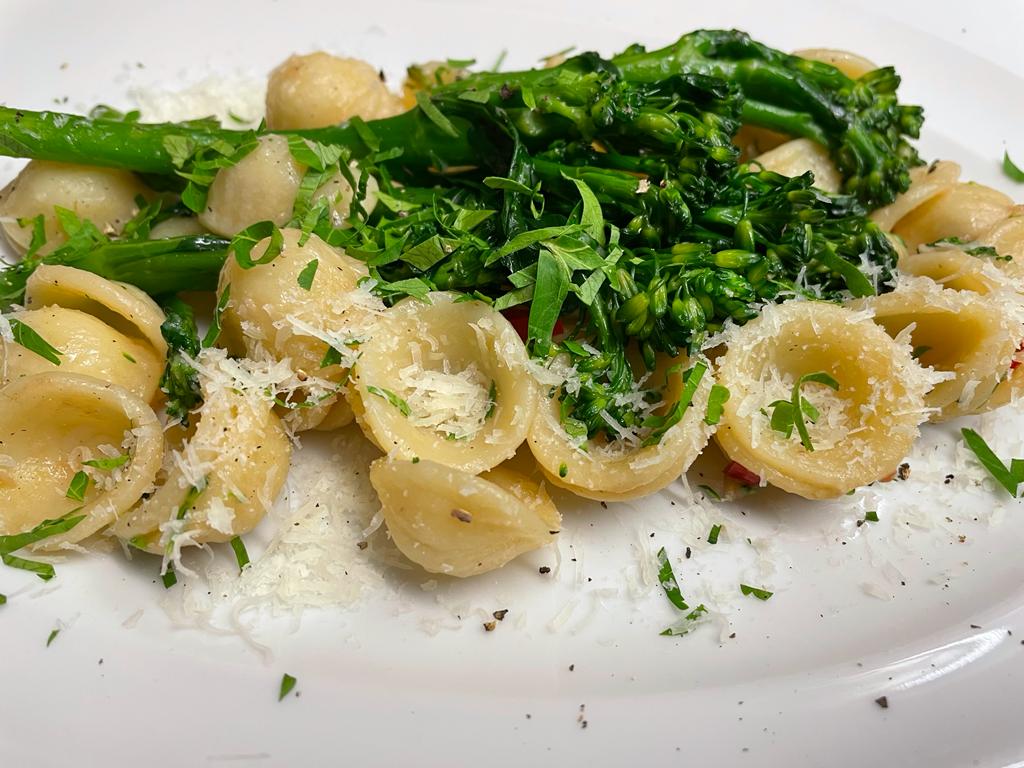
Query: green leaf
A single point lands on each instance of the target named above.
(528, 238)
(575, 253)
(549, 294)
(46, 529)
(819, 377)
(1011, 169)
(713, 535)
(305, 278)
(667, 578)
(313, 154)
(180, 148)
(492, 399)
(661, 424)
(194, 492)
(425, 254)
(508, 185)
(435, 115)
(467, 219)
(33, 342)
(392, 398)
(243, 243)
(331, 357)
(475, 96)
(871, 516)
(395, 204)
(168, 577)
(79, 485)
(782, 417)
(710, 492)
(108, 464)
(287, 686)
(213, 332)
(587, 293)
(760, 594)
(365, 133)
(688, 624)
(592, 219)
(241, 554)
(716, 403)
(1009, 477)
(514, 298)
(52, 637)
(3, 599)
(412, 286)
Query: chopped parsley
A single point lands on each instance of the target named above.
(492, 400)
(1011, 169)
(871, 516)
(687, 624)
(78, 486)
(667, 578)
(760, 594)
(52, 637)
(3, 599)
(305, 278)
(788, 414)
(213, 332)
(713, 535)
(716, 402)
(1009, 477)
(169, 578)
(391, 397)
(563, 469)
(241, 554)
(128, 357)
(710, 492)
(33, 342)
(287, 686)
(331, 357)
(108, 464)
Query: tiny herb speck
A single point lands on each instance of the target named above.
(287, 686)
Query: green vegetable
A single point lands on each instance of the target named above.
(716, 402)
(179, 381)
(790, 413)
(688, 623)
(213, 332)
(667, 578)
(33, 342)
(169, 577)
(1011, 169)
(78, 486)
(287, 685)
(52, 637)
(241, 554)
(1010, 477)
(713, 535)
(109, 463)
(760, 594)
(13, 542)
(305, 278)
(392, 398)
(871, 516)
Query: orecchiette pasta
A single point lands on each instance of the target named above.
(863, 428)
(1007, 237)
(87, 346)
(104, 196)
(445, 380)
(259, 187)
(50, 424)
(318, 89)
(222, 481)
(964, 210)
(799, 156)
(458, 524)
(956, 269)
(850, 64)
(926, 182)
(177, 226)
(270, 314)
(970, 338)
(626, 468)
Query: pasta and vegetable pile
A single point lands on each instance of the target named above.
(574, 276)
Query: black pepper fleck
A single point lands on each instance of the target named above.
(883, 702)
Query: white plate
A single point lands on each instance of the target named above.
(797, 683)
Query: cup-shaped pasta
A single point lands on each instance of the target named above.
(445, 380)
(862, 429)
(260, 187)
(86, 346)
(970, 338)
(958, 270)
(458, 524)
(752, 140)
(317, 89)
(120, 305)
(626, 469)
(1007, 237)
(272, 313)
(799, 156)
(104, 196)
(221, 483)
(50, 424)
(850, 64)
(926, 182)
(964, 210)
(177, 226)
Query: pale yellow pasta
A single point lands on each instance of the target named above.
(222, 481)
(625, 468)
(120, 305)
(964, 210)
(925, 183)
(259, 187)
(445, 380)
(340, 195)
(752, 140)
(177, 226)
(799, 156)
(1007, 237)
(104, 196)
(958, 270)
(458, 524)
(317, 89)
(270, 315)
(969, 337)
(88, 347)
(864, 428)
(850, 64)
(50, 424)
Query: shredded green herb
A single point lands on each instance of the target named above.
(78, 486)
(213, 332)
(713, 535)
(241, 554)
(871, 516)
(169, 577)
(33, 342)
(1010, 477)
(308, 273)
(760, 594)
(716, 403)
(667, 578)
(710, 492)
(287, 686)
(108, 464)
(52, 637)
(688, 623)
(1011, 169)
(563, 469)
(392, 398)
(788, 414)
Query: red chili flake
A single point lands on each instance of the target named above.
(1015, 364)
(737, 471)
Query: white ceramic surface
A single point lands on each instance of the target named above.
(407, 676)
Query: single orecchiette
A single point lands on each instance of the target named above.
(104, 196)
(799, 156)
(445, 380)
(50, 425)
(455, 523)
(862, 430)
